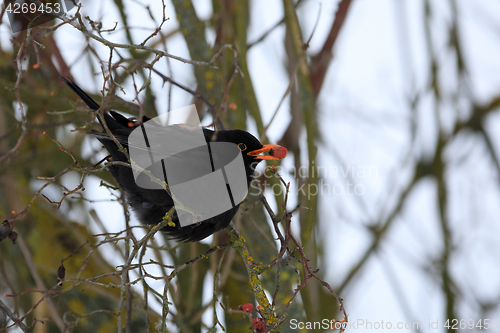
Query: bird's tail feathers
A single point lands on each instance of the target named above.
(114, 121)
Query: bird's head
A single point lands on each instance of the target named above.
(251, 148)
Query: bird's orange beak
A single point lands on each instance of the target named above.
(276, 152)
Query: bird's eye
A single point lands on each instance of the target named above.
(242, 146)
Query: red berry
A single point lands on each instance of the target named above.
(259, 325)
(247, 307)
(279, 152)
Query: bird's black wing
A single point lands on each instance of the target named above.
(149, 205)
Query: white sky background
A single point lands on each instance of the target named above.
(380, 59)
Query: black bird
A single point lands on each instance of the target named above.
(151, 205)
